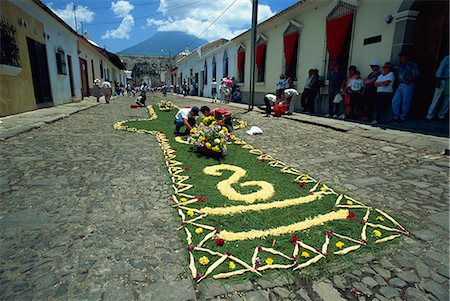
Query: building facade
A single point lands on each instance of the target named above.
(311, 34)
(44, 62)
(148, 69)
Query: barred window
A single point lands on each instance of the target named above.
(61, 61)
(9, 50)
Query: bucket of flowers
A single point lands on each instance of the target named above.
(210, 138)
(165, 106)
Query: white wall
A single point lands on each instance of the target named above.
(58, 36)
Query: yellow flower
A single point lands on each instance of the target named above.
(183, 200)
(224, 129)
(179, 178)
(323, 188)
(208, 145)
(216, 148)
(380, 218)
(222, 140)
(203, 260)
(232, 265)
(201, 138)
(340, 244)
(305, 254)
(304, 178)
(269, 260)
(199, 230)
(349, 202)
(377, 233)
(190, 213)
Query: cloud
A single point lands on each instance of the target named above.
(83, 13)
(122, 31)
(121, 8)
(236, 20)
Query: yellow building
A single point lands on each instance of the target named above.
(26, 39)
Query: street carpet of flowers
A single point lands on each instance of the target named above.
(165, 106)
(205, 255)
(210, 136)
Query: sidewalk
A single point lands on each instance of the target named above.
(402, 137)
(14, 125)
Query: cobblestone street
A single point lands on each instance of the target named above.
(84, 214)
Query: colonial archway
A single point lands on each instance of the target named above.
(422, 29)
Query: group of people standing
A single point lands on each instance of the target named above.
(228, 90)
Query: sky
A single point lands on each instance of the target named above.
(119, 24)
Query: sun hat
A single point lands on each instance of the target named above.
(375, 63)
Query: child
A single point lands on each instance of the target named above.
(281, 85)
(354, 89)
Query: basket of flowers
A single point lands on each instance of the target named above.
(165, 106)
(210, 138)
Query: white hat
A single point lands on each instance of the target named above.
(375, 63)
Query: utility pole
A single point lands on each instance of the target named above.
(251, 100)
(75, 17)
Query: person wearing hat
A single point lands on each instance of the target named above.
(185, 117)
(407, 73)
(370, 91)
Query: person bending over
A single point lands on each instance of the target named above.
(185, 117)
(269, 100)
(222, 116)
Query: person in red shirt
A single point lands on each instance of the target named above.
(222, 116)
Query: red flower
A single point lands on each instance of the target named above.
(201, 200)
(262, 160)
(171, 198)
(220, 242)
(185, 168)
(351, 215)
(293, 239)
(174, 148)
(363, 221)
(302, 185)
(328, 233)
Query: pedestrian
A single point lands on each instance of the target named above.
(441, 91)
(310, 91)
(185, 117)
(214, 90)
(96, 89)
(222, 116)
(354, 91)
(384, 85)
(128, 90)
(407, 73)
(228, 89)
(269, 100)
(107, 90)
(281, 85)
(222, 89)
(370, 91)
(290, 99)
(336, 83)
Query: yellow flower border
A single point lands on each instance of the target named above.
(182, 200)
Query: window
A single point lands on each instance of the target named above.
(101, 69)
(290, 43)
(339, 34)
(241, 64)
(9, 50)
(205, 74)
(225, 64)
(61, 61)
(214, 68)
(92, 67)
(261, 59)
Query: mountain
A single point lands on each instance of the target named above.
(171, 42)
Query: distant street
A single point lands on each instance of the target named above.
(84, 213)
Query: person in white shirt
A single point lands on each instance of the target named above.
(290, 99)
(354, 88)
(281, 85)
(441, 91)
(107, 90)
(269, 100)
(185, 117)
(384, 85)
(214, 90)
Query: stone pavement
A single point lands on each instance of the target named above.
(84, 213)
(14, 125)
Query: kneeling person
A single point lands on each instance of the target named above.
(222, 116)
(185, 117)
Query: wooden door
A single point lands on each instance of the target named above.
(69, 64)
(39, 71)
(84, 78)
(430, 45)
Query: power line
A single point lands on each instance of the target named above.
(211, 24)
(147, 16)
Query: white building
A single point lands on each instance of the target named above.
(312, 33)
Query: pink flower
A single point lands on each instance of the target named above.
(328, 233)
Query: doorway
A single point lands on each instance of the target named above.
(196, 84)
(202, 83)
(430, 45)
(84, 78)
(69, 63)
(39, 71)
